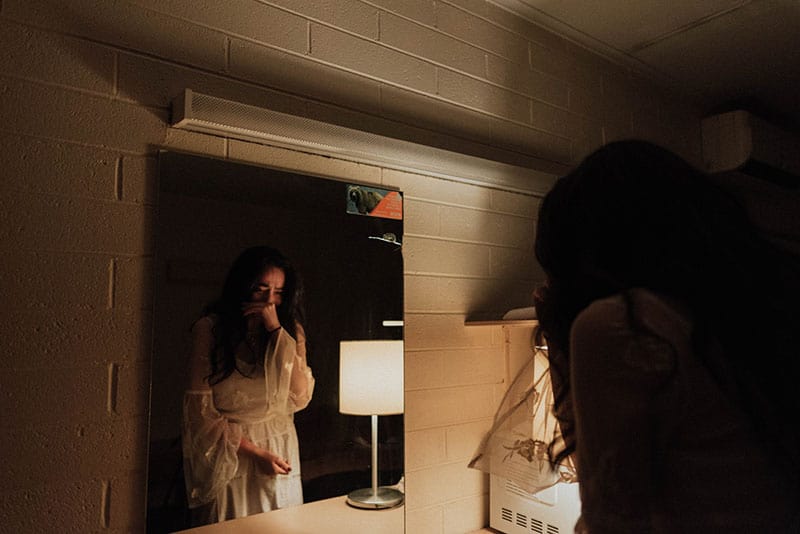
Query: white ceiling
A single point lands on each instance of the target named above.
(727, 54)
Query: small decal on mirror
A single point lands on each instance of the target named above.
(374, 202)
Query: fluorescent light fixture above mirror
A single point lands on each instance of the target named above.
(217, 116)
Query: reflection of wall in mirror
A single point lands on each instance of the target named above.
(352, 284)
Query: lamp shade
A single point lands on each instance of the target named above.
(371, 377)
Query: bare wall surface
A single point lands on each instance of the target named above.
(86, 87)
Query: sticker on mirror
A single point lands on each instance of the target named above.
(374, 202)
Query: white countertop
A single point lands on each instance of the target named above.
(330, 516)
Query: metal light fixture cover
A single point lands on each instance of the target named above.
(371, 383)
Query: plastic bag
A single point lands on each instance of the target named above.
(525, 434)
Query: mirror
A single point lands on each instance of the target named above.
(350, 261)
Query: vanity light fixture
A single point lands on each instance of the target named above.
(371, 383)
(235, 120)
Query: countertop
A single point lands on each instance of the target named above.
(331, 516)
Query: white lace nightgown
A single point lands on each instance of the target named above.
(259, 407)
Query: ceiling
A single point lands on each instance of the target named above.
(725, 54)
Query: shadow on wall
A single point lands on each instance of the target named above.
(192, 55)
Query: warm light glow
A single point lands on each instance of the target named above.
(371, 377)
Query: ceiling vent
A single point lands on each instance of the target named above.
(738, 140)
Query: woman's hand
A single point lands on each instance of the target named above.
(268, 461)
(540, 301)
(272, 464)
(555, 330)
(266, 312)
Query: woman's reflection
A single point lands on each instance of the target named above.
(248, 376)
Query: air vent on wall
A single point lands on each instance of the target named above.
(738, 140)
(218, 116)
(524, 523)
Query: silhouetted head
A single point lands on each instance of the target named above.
(634, 215)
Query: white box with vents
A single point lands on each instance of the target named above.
(515, 511)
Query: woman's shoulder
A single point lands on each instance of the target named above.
(205, 324)
(637, 307)
(636, 320)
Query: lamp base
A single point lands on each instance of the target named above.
(375, 500)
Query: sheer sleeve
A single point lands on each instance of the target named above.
(210, 441)
(289, 380)
(302, 381)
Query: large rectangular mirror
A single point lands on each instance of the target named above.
(350, 261)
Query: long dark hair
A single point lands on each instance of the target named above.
(634, 215)
(230, 326)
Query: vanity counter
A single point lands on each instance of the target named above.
(332, 516)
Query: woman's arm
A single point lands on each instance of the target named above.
(302, 381)
(615, 373)
(210, 442)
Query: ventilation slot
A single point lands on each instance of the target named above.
(537, 526)
(527, 523)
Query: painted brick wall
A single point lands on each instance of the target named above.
(85, 88)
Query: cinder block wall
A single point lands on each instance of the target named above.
(85, 87)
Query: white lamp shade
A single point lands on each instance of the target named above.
(371, 377)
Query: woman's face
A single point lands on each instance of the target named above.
(269, 287)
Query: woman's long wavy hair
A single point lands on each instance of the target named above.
(634, 215)
(230, 326)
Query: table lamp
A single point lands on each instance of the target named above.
(371, 383)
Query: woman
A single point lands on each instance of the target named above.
(248, 375)
(673, 335)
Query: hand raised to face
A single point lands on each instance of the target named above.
(265, 297)
(267, 312)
